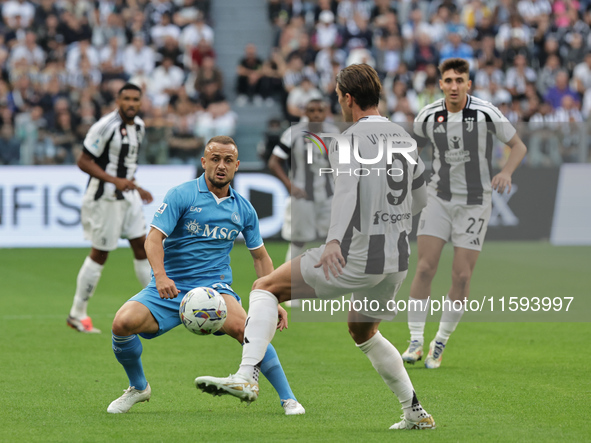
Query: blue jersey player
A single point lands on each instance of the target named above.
(189, 246)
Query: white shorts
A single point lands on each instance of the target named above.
(465, 225)
(106, 221)
(306, 220)
(380, 288)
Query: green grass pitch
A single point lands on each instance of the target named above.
(498, 382)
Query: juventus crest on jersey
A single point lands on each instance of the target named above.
(115, 146)
(462, 146)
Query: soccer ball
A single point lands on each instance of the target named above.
(203, 311)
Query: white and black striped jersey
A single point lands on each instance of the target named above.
(293, 147)
(114, 145)
(371, 213)
(462, 147)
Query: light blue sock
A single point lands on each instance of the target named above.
(272, 370)
(128, 351)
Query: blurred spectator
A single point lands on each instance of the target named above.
(18, 8)
(425, 53)
(64, 140)
(195, 32)
(543, 147)
(30, 130)
(202, 75)
(457, 48)
(216, 117)
(165, 81)
(158, 132)
(555, 94)
(73, 29)
(203, 49)
(304, 50)
(326, 33)
(518, 76)
(184, 145)
(155, 9)
(170, 49)
(113, 28)
(575, 52)
(139, 58)
(164, 29)
(81, 50)
(29, 51)
(272, 77)
(10, 152)
(290, 35)
(582, 75)
(299, 97)
(547, 77)
(112, 60)
(357, 33)
(430, 93)
(249, 74)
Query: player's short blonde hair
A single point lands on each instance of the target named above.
(222, 140)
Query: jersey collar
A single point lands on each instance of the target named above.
(202, 186)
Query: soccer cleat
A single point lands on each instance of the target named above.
(84, 325)
(130, 397)
(235, 385)
(424, 423)
(292, 407)
(433, 360)
(414, 353)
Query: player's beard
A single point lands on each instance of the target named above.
(219, 183)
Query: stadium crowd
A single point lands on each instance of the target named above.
(62, 61)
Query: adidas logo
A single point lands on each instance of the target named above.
(440, 129)
(476, 242)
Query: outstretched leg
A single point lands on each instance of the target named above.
(132, 318)
(270, 366)
(387, 361)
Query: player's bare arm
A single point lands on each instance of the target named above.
(502, 180)
(263, 265)
(277, 167)
(87, 164)
(155, 252)
(145, 195)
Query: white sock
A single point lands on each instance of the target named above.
(259, 330)
(417, 315)
(449, 320)
(88, 278)
(142, 271)
(386, 359)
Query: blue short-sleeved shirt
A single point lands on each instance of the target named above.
(200, 231)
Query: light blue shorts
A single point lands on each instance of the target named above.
(166, 310)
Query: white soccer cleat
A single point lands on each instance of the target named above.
(236, 385)
(292, 407)
(433, 360)
(414, 353)
(84, 325)
(130, 397)
(423, 423)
